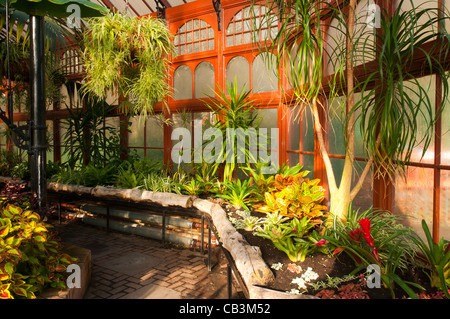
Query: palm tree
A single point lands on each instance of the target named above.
(388, 114)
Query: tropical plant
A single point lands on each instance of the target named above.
(31, 257)
(93, 176)
(295, 196)
(88, 137)
(287, 235)
(374, 237)
(129, 56)
(238, 193)
(388, 111)
(235, 118)
(437, 256)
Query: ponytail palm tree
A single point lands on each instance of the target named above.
(387, 113)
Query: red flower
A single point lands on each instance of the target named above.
(321, 242)
(355, 235)
(365, 225)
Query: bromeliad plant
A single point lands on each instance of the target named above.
(437, 256)
(375, 237)
(238, 194)
(289, 235)
(30, 255)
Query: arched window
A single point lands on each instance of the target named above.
(194, 36)
(240, 29)
(238, 69)
(264, 75)
(204, 80)
(182, 83)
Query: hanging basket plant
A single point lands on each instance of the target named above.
(128, 56)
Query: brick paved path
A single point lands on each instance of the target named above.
(129, 266)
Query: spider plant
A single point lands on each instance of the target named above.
(129, 56)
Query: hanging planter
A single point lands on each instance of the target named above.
(128, 56)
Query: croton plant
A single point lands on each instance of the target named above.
(31, 257)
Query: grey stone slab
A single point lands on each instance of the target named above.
(131, 263)
(153, 291)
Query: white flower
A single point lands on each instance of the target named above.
(294, 291)
(310, 275)
(277, 266)
(300, 282)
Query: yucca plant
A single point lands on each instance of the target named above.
(235, 114)
(388, 112)
(128, 56)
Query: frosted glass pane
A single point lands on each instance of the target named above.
(414, 196)
(445, 120)
(429, 84)
(293, 128)
(182, 119)
(135, 135)
(268, 118)
(336, 136)
(182, 83)
(444, 229)
(155, 155)
(308, 164)
(422, 5)
(264, 77)
(335, 43)
(307, 130)
(204, 80)
(155, 131)
(238, 68)
(364, 199)
(293, 159)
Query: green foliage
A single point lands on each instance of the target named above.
(94, 176)
(437, 256)
(288, 235)
(239, 194)
(88, 137)
(9, 160)
(295, 196)
(376, 237)
(129, 55)
(30, 255)
(132, 174)
(235, 111)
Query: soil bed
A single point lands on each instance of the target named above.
(339, 265)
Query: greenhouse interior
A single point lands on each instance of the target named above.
(295, 149)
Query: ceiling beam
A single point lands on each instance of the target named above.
(109, 5)
(148, 6)
(166, 3)
(131, 7)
